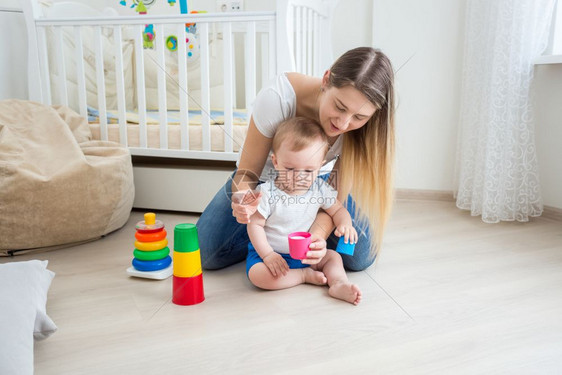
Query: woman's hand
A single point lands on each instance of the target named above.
(317, 250)
(244, 205)
(349, 233)
(276, 264)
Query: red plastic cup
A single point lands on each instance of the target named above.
(187, 290)
(299, 243)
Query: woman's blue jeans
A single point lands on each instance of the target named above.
(223, 241)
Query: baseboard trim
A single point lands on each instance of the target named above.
(552, 213)
(425, 195)
(177, 188)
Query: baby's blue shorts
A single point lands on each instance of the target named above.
(253, 258)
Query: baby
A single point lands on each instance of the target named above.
(290, 203)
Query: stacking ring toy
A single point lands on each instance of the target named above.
(151, 237)
(151, 246)
(151, 265)
(151, 255)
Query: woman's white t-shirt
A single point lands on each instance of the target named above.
(275, 103)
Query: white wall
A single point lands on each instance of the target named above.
(352, 25)
(13, 53)
(428, 33)
(431, 33)
(548, 130)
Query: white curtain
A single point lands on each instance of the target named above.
(497, 169)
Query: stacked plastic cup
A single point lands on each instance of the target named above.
(187, 285)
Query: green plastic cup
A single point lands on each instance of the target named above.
(185, 238)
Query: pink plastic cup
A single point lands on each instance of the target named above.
(299, 243)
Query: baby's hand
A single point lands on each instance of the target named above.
(349, 233)
(276, 264)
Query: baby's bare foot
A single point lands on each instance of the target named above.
(314, 277)
(346, 291)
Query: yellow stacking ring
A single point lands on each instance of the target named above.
(151, 246)
(187, 264)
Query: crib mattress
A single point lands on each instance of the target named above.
(195, 116)
(217, 135)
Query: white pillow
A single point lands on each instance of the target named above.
(23, 315)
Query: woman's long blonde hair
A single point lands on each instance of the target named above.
(367, 159)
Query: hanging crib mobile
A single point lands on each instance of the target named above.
(191, 40)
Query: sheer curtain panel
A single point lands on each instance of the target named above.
(497, 169)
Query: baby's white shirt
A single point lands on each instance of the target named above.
(285, 214)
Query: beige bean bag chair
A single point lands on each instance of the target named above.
(57, 185)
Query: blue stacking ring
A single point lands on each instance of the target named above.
(151, 265)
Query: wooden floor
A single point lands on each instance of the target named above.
(448, 295)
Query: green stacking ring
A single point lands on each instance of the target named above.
(151, 255)
(185, 238)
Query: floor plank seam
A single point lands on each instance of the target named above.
(392, 298)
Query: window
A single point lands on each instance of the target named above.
(553, 53)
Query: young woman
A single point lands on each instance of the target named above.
(354, 104)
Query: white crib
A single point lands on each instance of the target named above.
(95, 59)
(254, 47)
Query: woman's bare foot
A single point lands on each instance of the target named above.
(314, 277)
(346, 291)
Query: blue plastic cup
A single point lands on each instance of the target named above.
(345, 248)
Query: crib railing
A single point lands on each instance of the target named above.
(292, 40)
(304, 32)
(248, 24)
